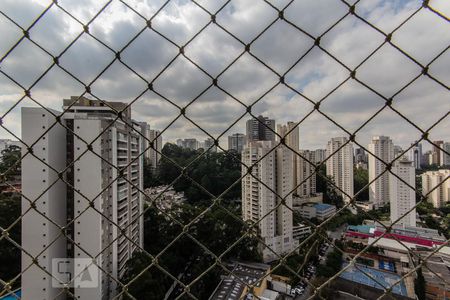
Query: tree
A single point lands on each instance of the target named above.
(213, 172)
(360, 180)
(10, 255)
(10, 162)
(326, 186)
(217, 230)
(419, 285)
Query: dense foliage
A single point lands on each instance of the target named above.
(360, 180)
(332, 264)
(325, 186)
(217, 230)
(10, 207)
(10, 162)
(214, 171)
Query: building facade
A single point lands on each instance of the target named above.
(436, 185)
(437, 153)
(290, 133)
(101, 204)
(156, 143)
(416, 156)
(444, 157)
(274, 168)
(236, 142)
(382, 150)
(340, 165)
(306, 176)
(260, 129)
(320, 155)
(402, 197)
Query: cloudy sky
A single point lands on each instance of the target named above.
(423, 37)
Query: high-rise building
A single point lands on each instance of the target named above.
(340, 165)
(290, 133)
(403, 197)
(397, 151)
(306, 176)
(145, 131)
(208, 144)
(100, 207)
(320, 155)
(437, 152)
(436, 185)
(236, 142)
(382, 150)
(260, 129)
(444, 157)
(415, 155)
(155, 143)
(274, 168)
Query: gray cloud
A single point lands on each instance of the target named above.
(423, 37)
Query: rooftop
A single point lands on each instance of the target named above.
(361, 228)
(378, 279)
(323, 206)
(232, 287)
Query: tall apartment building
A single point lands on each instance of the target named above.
(145, 131)
(415, 155)
(102, 215)
(340, 165)
(444, 157)
(440, 179)
(155, 137)
(306, 177)
(383, 148)
(236, 142)
(260, 129)
(208, 144)
(437, 152)
(290, 133)
(275, 170)
(320, 155)
(402, 197)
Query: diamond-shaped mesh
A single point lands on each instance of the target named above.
(174, 268)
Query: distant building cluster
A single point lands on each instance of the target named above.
(165, 197)
(152, 145)
(284, 178)
(194, 144)
(6, 143)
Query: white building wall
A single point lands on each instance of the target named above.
(402, 197)
(383, 148)
(306, 178)
(259, 200)
(445, 158)
(436, 185)
(340, 165)
(95, 232)
(37, 231)
(88, 180)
